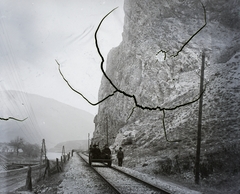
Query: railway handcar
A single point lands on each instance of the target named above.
(96, 155)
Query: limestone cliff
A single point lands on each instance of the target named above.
(138, 67)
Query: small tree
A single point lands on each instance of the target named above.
(17, 143)
(31, 150)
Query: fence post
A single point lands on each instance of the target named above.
(28, 185)
(57, 164)
(58, 167)
(63, 154)
(47, 169)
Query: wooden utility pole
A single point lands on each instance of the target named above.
(88, 140)
(40, 163)
(107, 130)
(43, 153)
(44, 150)
(197, 162)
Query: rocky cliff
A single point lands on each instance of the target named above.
(159, 62)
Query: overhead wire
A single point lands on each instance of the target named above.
(24, 111)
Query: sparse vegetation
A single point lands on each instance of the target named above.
(31, 150)
(17, 144)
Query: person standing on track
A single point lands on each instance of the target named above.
(120, 156)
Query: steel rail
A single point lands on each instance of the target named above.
(110, 185)
(161, 190)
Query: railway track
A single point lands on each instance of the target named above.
(122, 182)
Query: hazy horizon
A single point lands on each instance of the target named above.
(47, 119)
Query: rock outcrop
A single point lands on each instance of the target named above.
(159, 62)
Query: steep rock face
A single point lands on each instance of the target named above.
(159, 63)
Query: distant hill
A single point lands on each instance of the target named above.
(46, 119)
(70, 145)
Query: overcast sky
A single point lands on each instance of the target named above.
(35, 33)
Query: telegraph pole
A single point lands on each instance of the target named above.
(44, 150)
(107, 131)
(197, 162)
(40, 163)
(88, 140)
(43, 153)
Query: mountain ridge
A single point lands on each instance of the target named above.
(69, 146)
(46, 119)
